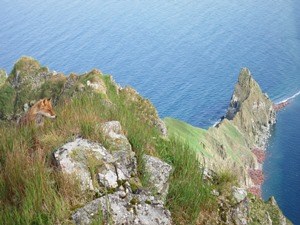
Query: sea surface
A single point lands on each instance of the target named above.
(184, 56)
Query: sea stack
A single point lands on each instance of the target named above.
(253, 113)
(251, 110)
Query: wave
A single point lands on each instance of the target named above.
(289, 98)
(217, 122)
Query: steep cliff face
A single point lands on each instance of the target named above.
(238, 141)
(251, 111)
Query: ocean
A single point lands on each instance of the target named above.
(185, 56)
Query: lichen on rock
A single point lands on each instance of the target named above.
(159, 173)
(111, 174)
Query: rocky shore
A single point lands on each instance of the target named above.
(281, 105)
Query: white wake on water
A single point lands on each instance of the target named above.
(289, 98)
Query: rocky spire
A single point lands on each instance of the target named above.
(250, 109)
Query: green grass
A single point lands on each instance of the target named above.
(32, 191)
(188, 134)
(2, 77)
(188, 195)
(7, 97)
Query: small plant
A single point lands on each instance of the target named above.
(224, 180)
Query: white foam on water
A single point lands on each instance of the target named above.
(289, 98)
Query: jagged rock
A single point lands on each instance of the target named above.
(95, 81)
(160, 124)
(71, 81)
(28, 73)
(281, 217)
(159, 173)
(251, 110)
(115, 171)
(97, 86)
(239, 213)
(140, 209)
(112, 130)
(81, 156)
(120, 147)
(239, 194)
(108, 178)
(273, 201)
(74, 157)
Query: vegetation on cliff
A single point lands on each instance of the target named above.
(34, 191)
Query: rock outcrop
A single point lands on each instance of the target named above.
(239, 140)
(140, 209)
(236, 145)
(159, 173)
(251, 110)
(113, 176)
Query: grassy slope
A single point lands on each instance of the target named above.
(226, 139)
(32, 191)
(188, 134)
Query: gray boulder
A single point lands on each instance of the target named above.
(239, 194)
(141, 209)
(115, 137)
(159, 173)
(93, 165)
(113, 174)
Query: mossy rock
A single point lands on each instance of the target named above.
(25, 71)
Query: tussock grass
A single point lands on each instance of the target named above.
(33, 191)
(224, 180)
(188, 195)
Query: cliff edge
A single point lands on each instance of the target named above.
(109, 159)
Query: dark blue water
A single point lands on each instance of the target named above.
(282, 169)
(183, 55)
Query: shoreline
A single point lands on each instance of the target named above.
(257, 175)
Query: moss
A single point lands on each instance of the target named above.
(148, 202)
(135, 185)
(134, 201)
(121, 183)
(110, 190)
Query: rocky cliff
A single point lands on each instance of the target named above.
(236, 144)
(109, 159)
(238, 141)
